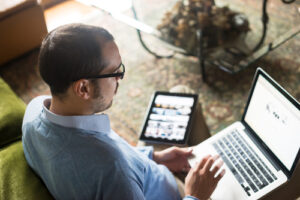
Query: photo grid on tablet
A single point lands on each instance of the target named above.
(169, 117)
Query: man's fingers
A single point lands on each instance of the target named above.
(220, 175)
(189, 151)
(217, 167)
(210, 162)
(183, 151)
(202, 162)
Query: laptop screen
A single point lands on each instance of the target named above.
(276, 120)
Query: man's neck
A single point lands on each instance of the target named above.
(67, 107)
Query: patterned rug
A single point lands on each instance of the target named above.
(224, 96)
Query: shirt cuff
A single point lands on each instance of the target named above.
(146, 150)
(190, 198)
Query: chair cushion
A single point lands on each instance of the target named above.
(12, 110)
(17, 180)
(9, 7)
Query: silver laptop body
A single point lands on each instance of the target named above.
(261, 151)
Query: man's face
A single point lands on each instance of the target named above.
(105, 88)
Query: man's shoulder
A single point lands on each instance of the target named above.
(34, 108)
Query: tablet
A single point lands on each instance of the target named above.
(169, 118)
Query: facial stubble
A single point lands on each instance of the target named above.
(99, 98)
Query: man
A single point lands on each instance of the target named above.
(72, 147)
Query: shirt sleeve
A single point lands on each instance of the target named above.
(190, 198)
(119, 185)
(146, 150)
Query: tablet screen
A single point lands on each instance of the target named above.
(169, 118)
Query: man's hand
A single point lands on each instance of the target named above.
(175, 158)
(201, 181)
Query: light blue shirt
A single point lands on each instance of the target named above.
(80, 157)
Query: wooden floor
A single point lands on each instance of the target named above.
(68, 12)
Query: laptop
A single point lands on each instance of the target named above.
(261, 151)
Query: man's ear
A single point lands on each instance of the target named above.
(82, 88)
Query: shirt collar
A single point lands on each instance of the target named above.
(95, 122)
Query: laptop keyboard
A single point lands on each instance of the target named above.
(247, 167)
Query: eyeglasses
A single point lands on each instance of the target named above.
(119, 74)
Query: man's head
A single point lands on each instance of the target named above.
(72, 55)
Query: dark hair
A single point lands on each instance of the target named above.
(71, 52)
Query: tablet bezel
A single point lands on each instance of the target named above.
(188, 129)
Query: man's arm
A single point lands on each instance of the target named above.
(121, 185)
(146, 150)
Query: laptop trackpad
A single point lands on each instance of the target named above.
(229, 188)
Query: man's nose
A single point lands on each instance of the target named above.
(118, 78)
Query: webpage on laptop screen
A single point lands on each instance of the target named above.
(276, 121)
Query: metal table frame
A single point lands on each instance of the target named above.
(240, 61)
